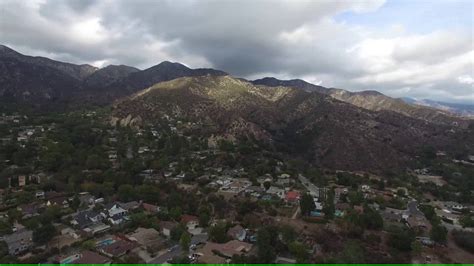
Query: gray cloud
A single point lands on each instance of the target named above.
(288, 39)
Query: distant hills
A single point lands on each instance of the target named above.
(371, 100)
(466, 110)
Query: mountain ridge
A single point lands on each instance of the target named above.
(322, 129)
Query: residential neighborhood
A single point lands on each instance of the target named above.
(136, 200)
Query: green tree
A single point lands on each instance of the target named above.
(306, 204)
(177, 232)
(353, 252)
(126, 193)
(218, 233)
(5, 227)
(416, 247)
(466, 220)
(44, 234)
(76, 202)
(371, 219)
(401, 238)
(300, 251)
(266, 242)
(185, 241)
(288, 234)
(88, 245)
(329, 208)
(267, 185)
(439, 233)
(204, 219)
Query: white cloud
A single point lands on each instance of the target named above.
(466, 79)
(286, 39)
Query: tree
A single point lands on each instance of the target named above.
(177, 232)
(218, 233)
(266, 242)
(371, 219)
(185, 241)
(439, 233)
(44, 234)
(204, 219)
(401, 238)
(88, 245)
(267, 185)
(300, 251)
(76, 202)
(288, 234)
(307, 204)
(126, 193)
(416, 247)
(466, 221)
(329, 207)
(5, 228)
(353, 252)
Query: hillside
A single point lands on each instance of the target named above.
(109, 74)
(372, 100)
(326, 131)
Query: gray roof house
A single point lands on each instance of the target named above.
(19, 241)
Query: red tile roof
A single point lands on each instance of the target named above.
(292, 196)
(188, 218)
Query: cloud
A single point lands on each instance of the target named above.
(287, 39)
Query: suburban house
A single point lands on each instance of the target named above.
(116, 213)
(19, 242)
(60, 201)
(148, 238)
(85, 257)
(96, 228)
(118, 248)
(276, 192)
(86, 199)
(237, 232)
(28, 210)
(214, 253)
(129, 206)
(292, 197)
(190, 221)
(68, 231)
(166, 227)
(150, 208)
(85, 218)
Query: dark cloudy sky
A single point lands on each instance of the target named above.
(422, 49)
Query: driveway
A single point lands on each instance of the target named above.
(199, 239)
(412, 209)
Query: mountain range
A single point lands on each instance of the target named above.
(330, 127)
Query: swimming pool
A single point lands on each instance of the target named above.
(105, 242)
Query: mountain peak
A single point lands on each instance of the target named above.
(296, 83)
(5, 50)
